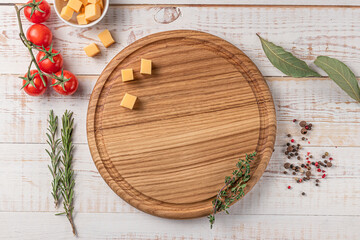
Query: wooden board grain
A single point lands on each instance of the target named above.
(205, 105)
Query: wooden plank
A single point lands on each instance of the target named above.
(229, 2)
(24, 168)
(142, 226)
(319, 101)
(292, 28)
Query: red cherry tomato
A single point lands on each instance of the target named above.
(39, 88)
(70, 86)
(39, 34)
(37, 16)
(46, 65)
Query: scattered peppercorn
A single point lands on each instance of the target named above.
(287, 165)
(317, 184)
(302, 124)
(288, 144)
(323, 156)
(329, 164)
(294, 120)
(298, 158)
(294, 173)
(303, 131)
(317, 180)
(285, 172)
(303, 193)
(289, 187)
(303, 138)
(326, 154)
(289, 135)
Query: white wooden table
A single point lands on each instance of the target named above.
(270, 211)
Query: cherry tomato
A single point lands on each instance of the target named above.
(39, 88)
(52, 63)
(39, 34)
(70, 86)
(37, 16)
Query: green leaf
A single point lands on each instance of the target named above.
(285, 61)
(340, 74)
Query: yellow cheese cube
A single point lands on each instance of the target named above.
(75, 5)
(66, 13)
(84, 2)
(145, 66)
(92, 12)
(128, 101)
(106, 38)
(127, 75)
(81, 19)
(100, 3)
(92, 1)
(91, 50)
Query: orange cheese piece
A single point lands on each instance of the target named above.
(127, 75)
(128, 101)
(145, 67)
(92, 12)
(75, 5)
(106, 38)
(67, 13)
(91, 50)
(81, 19)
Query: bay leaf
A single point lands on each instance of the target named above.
(340, 74)
(285, 61)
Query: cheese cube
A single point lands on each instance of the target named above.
(92, 1)
(127, 75)
(128, 101)
(66, 13)
(81, 19)
(145, 66)
(75, 5)
(91, 50)
(92, 12)
(100, 3)
(85, 2)
(106, 38)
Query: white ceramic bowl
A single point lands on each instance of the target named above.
(59, 4)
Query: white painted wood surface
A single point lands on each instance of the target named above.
(270, 210)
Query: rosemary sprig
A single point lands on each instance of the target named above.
(67, 173)
(54, 156)
(233, 188)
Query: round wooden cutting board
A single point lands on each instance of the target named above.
(205, 106)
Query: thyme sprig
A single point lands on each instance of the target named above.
(54, 156)
(67, 173)
(233, 188)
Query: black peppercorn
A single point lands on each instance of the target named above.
(302, 124)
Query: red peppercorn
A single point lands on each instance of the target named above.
(300, 180)
(316, 163)
(307, 158)
(308, 153)
(292, 140)
(331, 159)
(307, 127)
(319, 170)
(308, 162)
(294, 120)
(323, 171)
(323, 176)
(289, 187)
